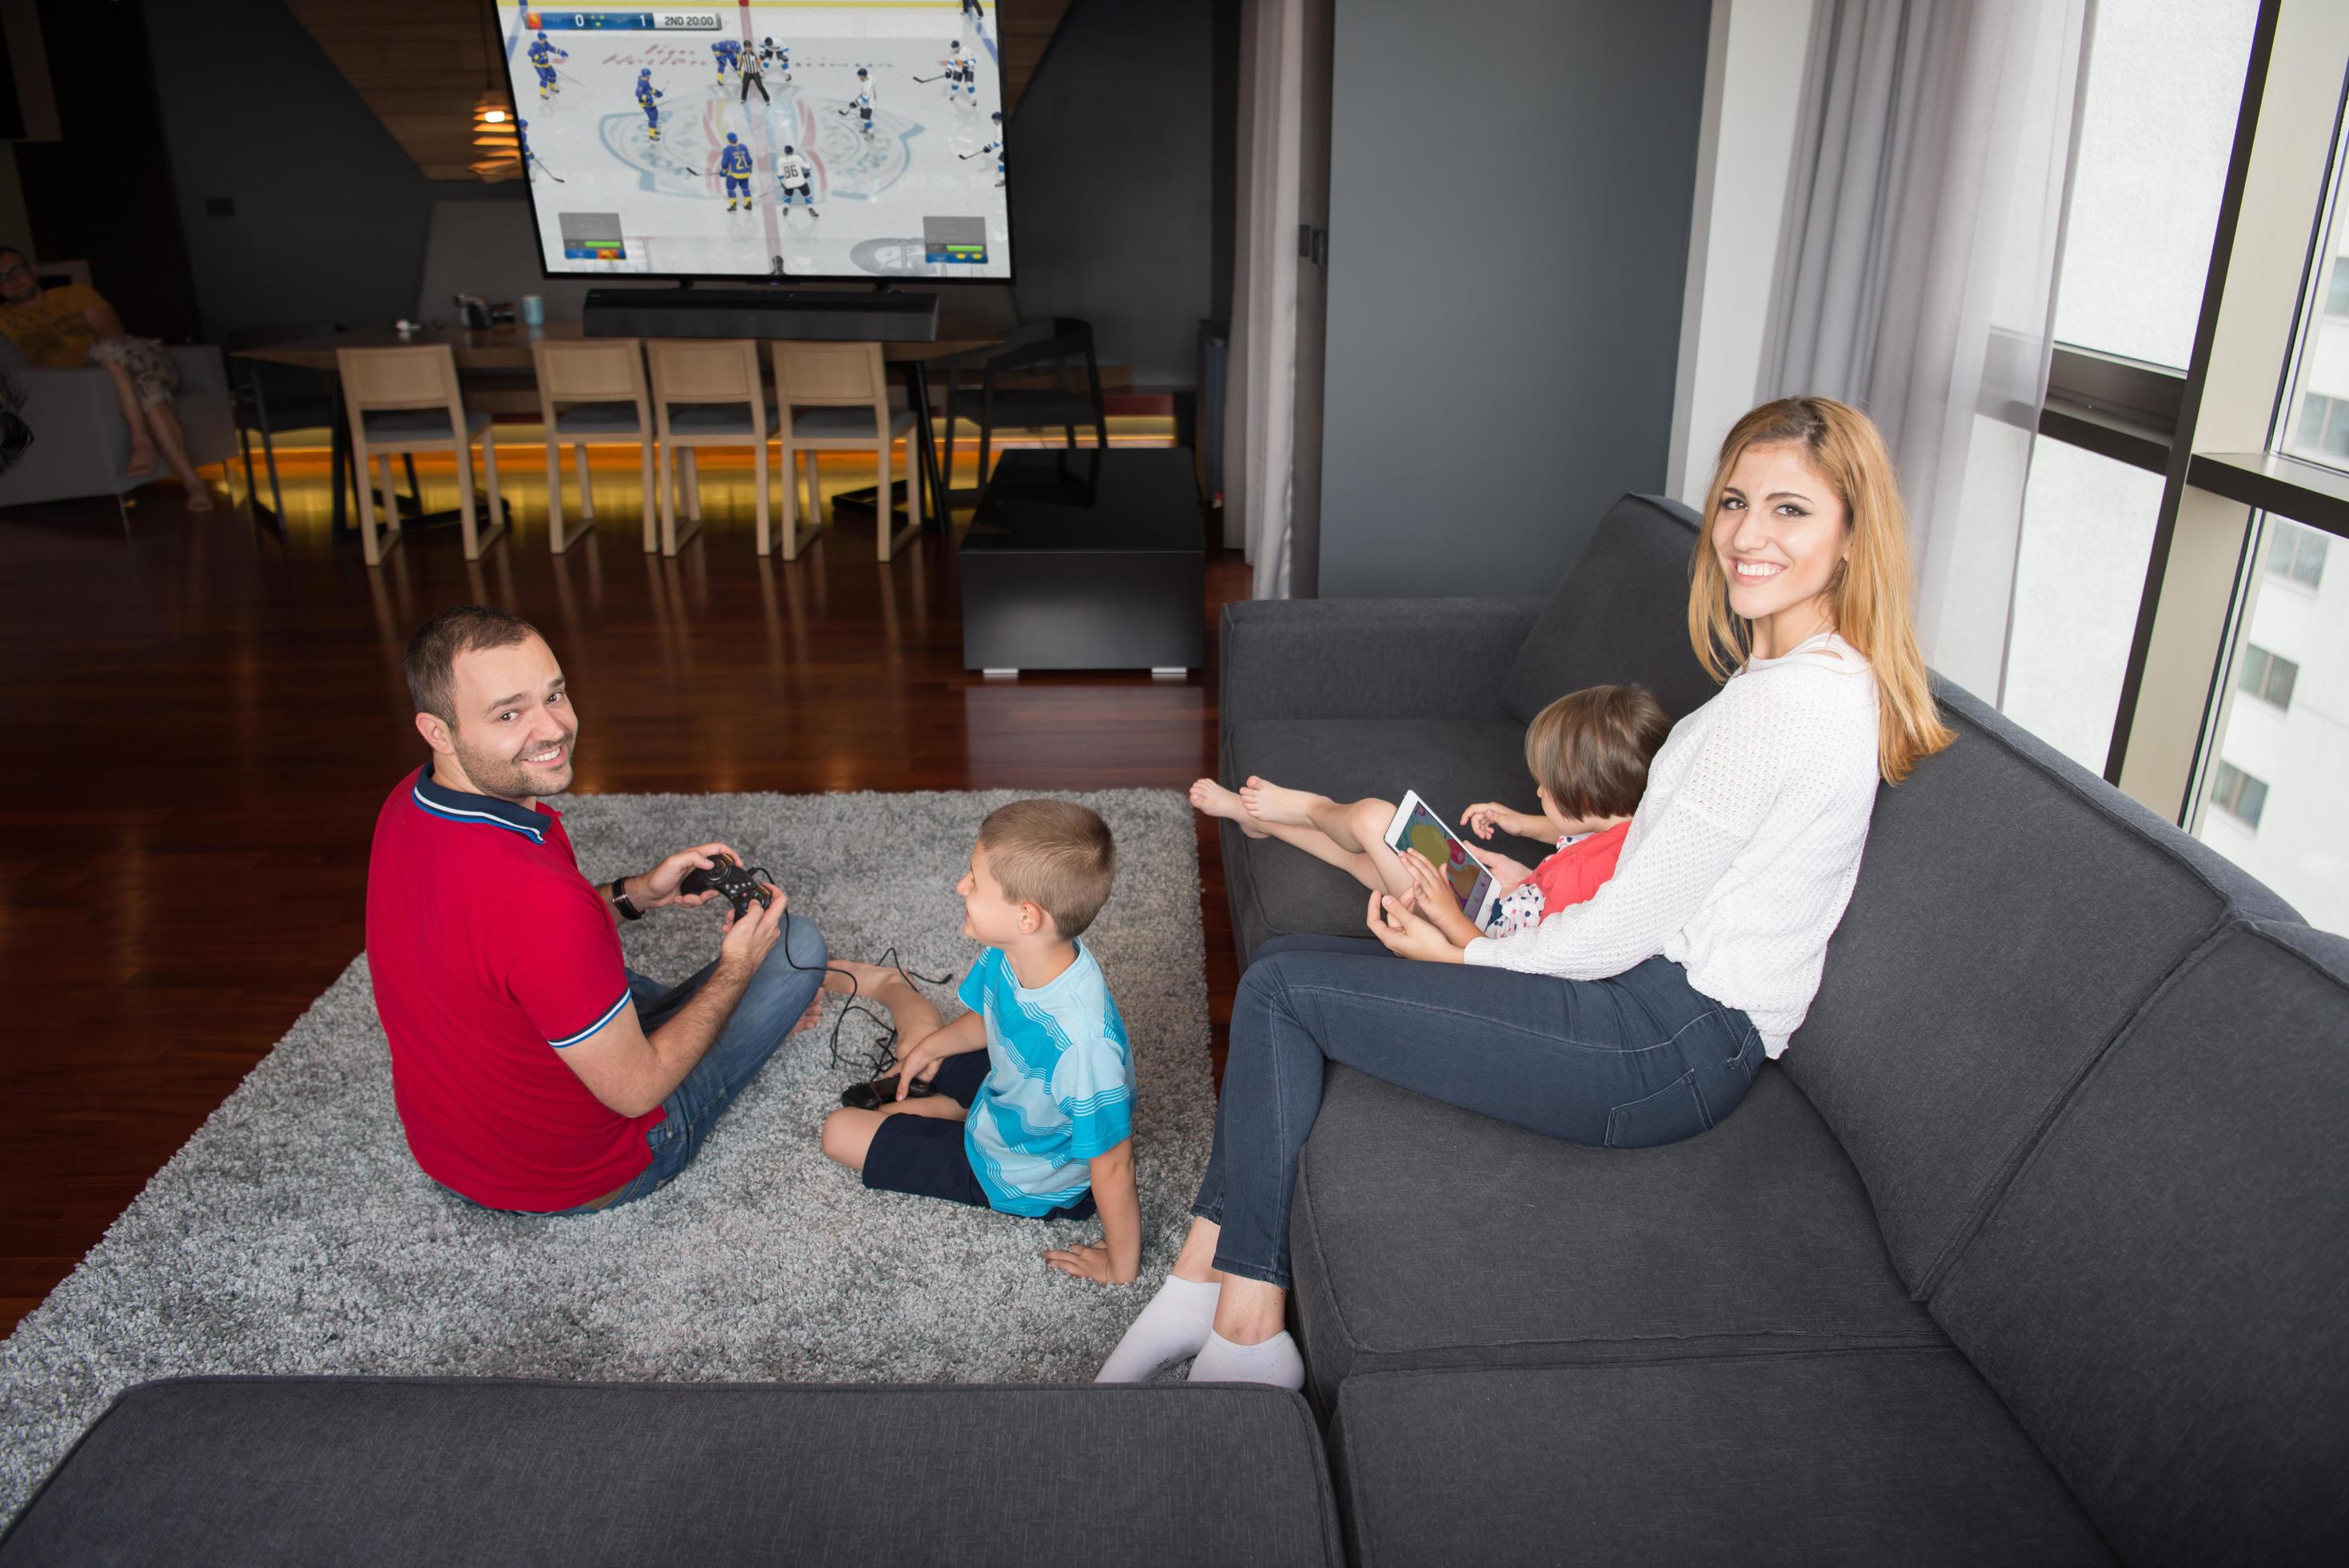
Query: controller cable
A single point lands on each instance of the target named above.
(875, 1059)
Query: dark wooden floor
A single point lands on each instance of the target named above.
(206, 716)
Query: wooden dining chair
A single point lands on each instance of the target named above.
(835, 398)
(592, 389)
(406, 400)
(705, 394)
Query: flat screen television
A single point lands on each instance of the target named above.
(727, 139)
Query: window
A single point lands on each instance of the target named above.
(2143, 571)
(2239, 794)
(2266, 676)
(2322, 431)
(2297, 556)
(2165, 83)
(2079, 568)
(2280, 747)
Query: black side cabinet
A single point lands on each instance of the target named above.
(1086, 559)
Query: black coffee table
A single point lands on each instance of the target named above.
(1086, 559)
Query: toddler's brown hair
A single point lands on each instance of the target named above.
(1590, 749)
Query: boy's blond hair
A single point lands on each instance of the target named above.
(1590, 749)
(1055, 854)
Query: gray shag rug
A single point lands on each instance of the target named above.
(294, 1233)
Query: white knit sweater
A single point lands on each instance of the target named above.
(1745, 848)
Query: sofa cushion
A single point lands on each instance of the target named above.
(402, 1471)
(1847, 1457)
(2012, 913)
(1620, 613)
(1427, 1235)
(1278, 890)
(2160, 1294)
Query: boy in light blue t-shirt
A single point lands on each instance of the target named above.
(1032, 1109)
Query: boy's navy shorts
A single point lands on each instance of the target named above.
(925, 1155)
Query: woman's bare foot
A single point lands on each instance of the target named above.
(200, 495)
(143, 460)
(1213, 798)
(1270, 802)
(808, 1019)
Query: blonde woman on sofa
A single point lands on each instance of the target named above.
(1640, 1017)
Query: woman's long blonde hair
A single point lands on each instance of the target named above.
(1868, 598)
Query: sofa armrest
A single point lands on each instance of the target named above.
(80, 445)
(1370, 658)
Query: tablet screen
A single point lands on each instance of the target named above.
(1424, 831)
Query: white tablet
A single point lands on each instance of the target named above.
(1416, 826)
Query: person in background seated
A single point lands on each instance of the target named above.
(1640, 1017)
(70, 328)
(1030, 1103)
(1588, 754)
(531, 1072)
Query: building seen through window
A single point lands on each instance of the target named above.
(2239, 795)
(2266, 676)
(2297, 556)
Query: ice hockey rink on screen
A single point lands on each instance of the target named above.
(626, 111)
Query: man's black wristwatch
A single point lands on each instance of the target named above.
(620, 901)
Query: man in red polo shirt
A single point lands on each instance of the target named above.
(533, 1071)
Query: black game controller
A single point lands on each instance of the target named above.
(726, 877)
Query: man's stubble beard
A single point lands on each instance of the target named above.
(505, 778)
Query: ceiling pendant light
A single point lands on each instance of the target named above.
(497, 143)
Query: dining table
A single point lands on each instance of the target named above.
(503, 352)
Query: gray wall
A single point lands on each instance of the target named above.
(1112, 149)
(331, 213)
(1509, 203)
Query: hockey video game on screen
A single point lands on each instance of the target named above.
(725, 139)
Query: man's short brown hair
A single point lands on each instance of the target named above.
(432, 652)
(1055, 854)
(1590, 749)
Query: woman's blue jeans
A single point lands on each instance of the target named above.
(1626, 1063)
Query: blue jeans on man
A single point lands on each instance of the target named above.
(1630, 1062)
(778, 994)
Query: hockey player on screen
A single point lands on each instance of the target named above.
(646, 96)
(796, 176)
(862, 102)
(775, 57)
(972, 10)
(729, 55)
(996, 147)
(543, 56)
(531, 167)
(962, 75)
(734, 163)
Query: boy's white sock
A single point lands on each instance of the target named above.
(1175, 1325)
(1276, 1361)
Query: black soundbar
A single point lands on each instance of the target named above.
(803, 316)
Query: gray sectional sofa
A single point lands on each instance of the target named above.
(2034, 1248)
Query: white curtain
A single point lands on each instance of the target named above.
(1916, 274)
(1260, 387)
